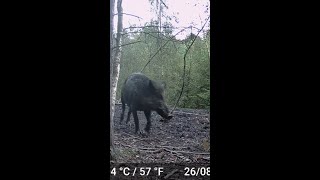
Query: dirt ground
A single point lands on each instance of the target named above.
(184, 138)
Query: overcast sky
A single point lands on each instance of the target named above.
(185, 10)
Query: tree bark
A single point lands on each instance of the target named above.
(114, 74)
(112, 151)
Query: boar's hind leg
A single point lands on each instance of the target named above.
(123, 109)
(136, 121)
(128, 116)
(147, 113)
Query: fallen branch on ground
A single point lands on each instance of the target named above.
(171, 173)
(179, 112)
(186, 152)
(171, 151)
(172, 147)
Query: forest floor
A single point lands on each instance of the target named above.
(183, 139)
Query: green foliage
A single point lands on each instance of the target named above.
(167, 65)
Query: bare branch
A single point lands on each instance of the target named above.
(160, 49)
(164, 4)
(129, 15)
(172, 147)
(163, 37)
(139, 32)
(171, 151)
(146, 27)
(164, 27)
(155, 32)
(186, 152)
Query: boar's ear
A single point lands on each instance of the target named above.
(151, 85)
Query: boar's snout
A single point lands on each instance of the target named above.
(164, 112)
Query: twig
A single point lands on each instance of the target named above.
(154, 152)
(172, 147)
(166, 149)
(147, 148)
(179, 112)
(171, 173)
(186, 152)
(129, 15)
(164, 4)
(136, 32)
(160, 49)
(146, 27)
(205, 158)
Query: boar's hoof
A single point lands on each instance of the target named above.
(142, 134)
(147, 130)
(139, 132)
(170, 117)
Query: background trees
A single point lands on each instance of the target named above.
(169, 67)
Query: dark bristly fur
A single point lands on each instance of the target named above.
(142, 94)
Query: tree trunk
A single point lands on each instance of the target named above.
(112, 151)
(114, 74)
